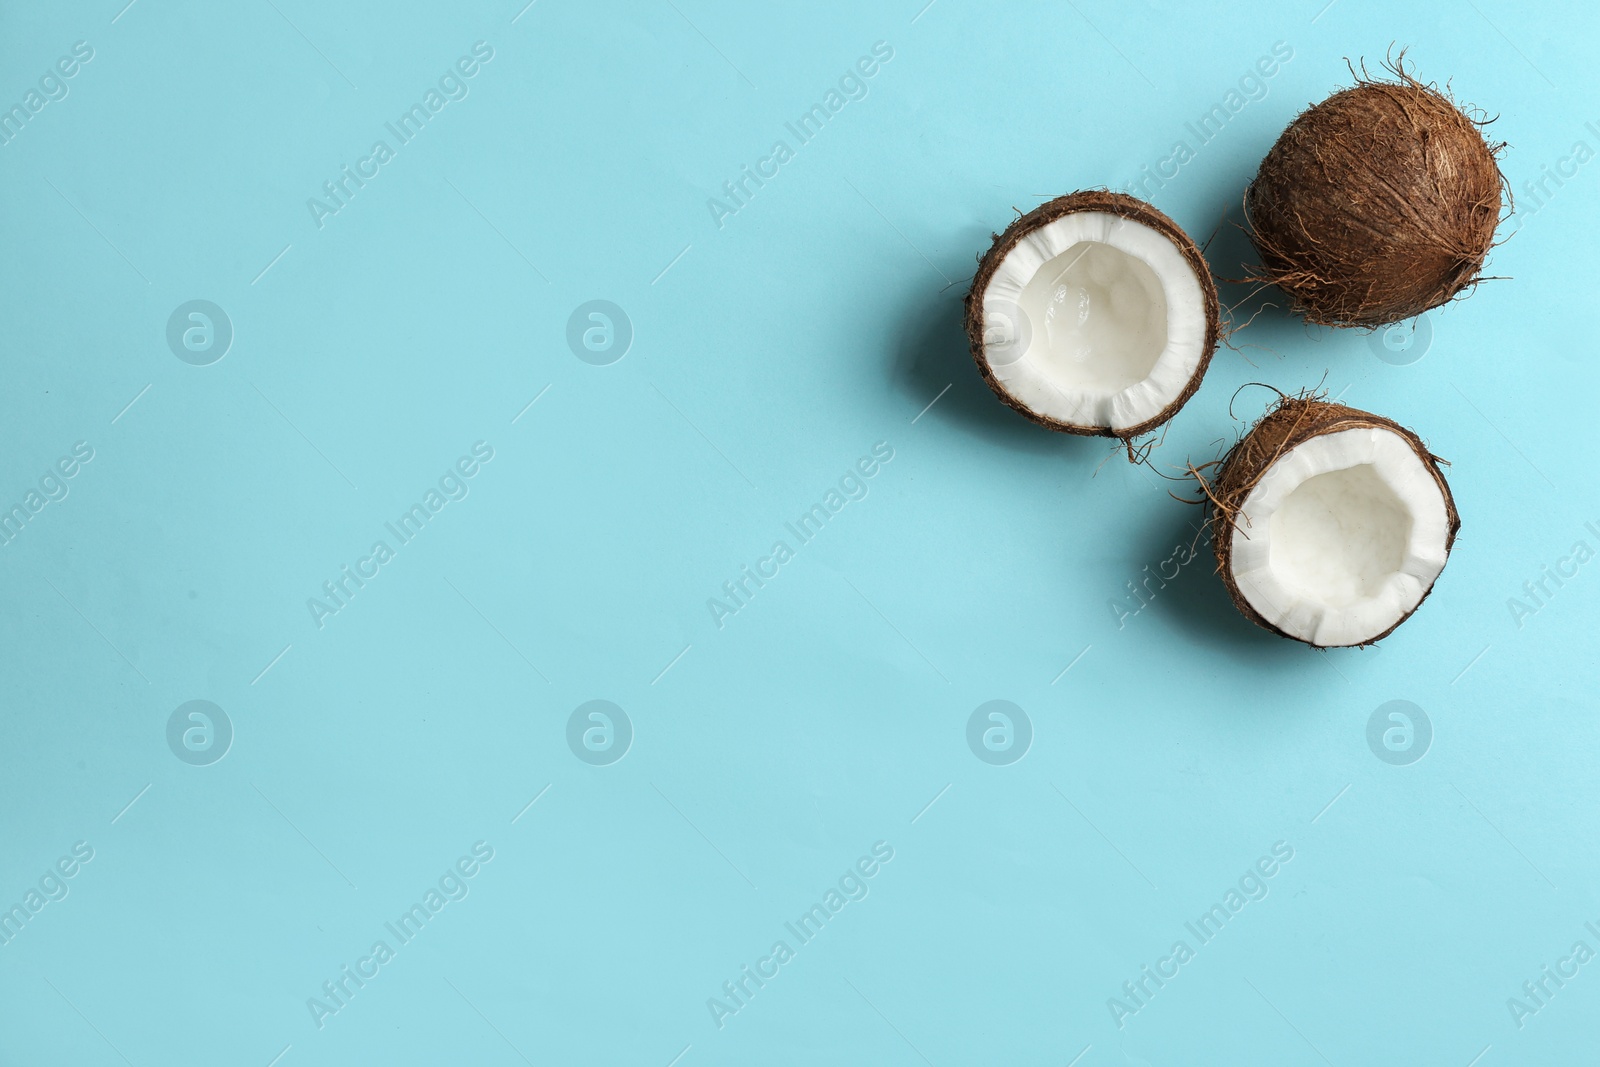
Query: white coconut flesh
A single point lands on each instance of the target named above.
(1095, 320)
(1341, 538)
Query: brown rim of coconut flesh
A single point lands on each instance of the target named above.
(1093, 314)
(1330, 525)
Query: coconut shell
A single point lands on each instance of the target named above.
(1377, 204)
(1127, 207)
(1293, 421)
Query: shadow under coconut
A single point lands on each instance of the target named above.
(933, 353)
(1272, 324)
(1197, 600)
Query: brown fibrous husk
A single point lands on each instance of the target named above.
(1379, 203)
(1291, 422)
(1128, 207)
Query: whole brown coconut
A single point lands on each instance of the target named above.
(1377, 204)
(1259, 528)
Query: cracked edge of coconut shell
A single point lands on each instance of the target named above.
(1465, 281)
(1124, 206)
(1290, 423)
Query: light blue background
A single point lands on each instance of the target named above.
(769, 354)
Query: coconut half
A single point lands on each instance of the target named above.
(1093, 314)
(1331, 523)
